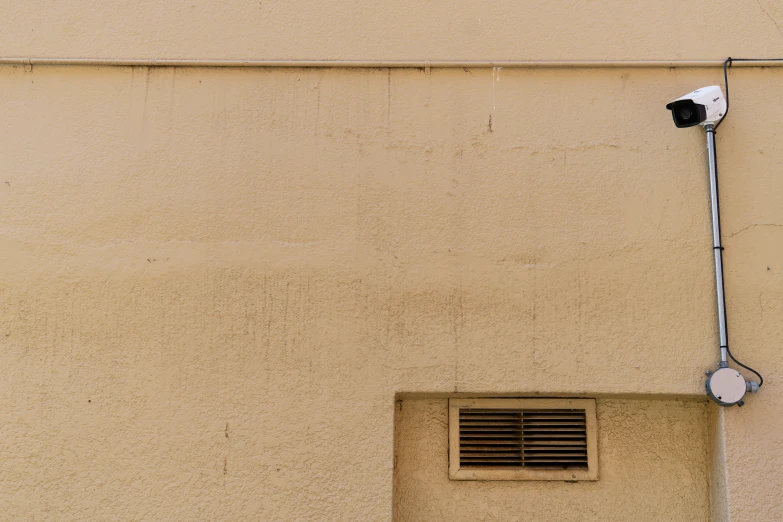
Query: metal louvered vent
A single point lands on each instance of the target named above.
(523, 439)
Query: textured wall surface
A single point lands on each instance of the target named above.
(406, 29)
(652, 459)
(214, 282)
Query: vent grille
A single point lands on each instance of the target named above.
(523, 438)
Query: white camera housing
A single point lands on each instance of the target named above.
(705, 106)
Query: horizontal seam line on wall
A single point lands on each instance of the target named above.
(401, 64)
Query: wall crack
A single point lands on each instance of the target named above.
(752, 225)
(770, 17)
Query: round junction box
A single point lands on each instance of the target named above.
(726, 386)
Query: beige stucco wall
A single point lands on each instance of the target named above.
(405, 29)
(213, 282)
(653, 459)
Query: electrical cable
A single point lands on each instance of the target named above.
(761, 379)
(726, 64)
(726, 86)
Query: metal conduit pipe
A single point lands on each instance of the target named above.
(717, 248)
(397, 64)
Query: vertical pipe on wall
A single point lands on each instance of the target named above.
(716, 245)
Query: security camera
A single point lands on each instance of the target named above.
(707, 106)
(703, 106)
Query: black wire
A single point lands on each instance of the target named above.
(726, 64)
(726, 85)
(761, 379)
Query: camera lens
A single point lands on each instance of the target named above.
(685, 113)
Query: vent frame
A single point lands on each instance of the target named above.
(458, 472)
